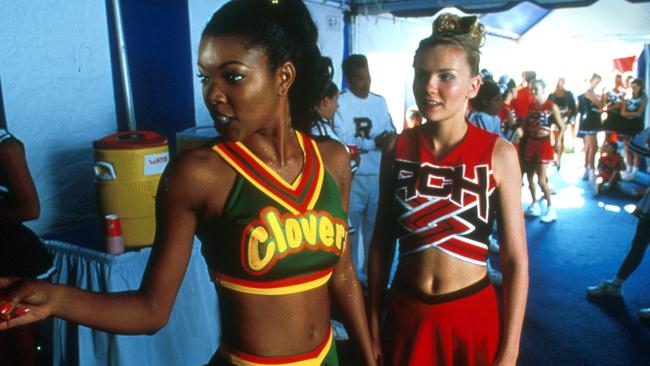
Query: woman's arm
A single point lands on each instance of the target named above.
(348, 297)
(559, 141)
(145, 310)
(513, 254)
(382, 246)
(511, 120)
(639, 112)
(24, 204)
(609, 105)
(573, 109)
(344, 286)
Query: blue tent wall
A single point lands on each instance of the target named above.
(157, 37)
(3, 119)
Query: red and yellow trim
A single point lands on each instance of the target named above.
(299, 196)
(281, 287)
(313, 358)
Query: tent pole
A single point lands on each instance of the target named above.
(646, 79)
(124, 66)
(3, 118)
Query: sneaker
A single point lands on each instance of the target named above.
(644, 314)
(594, 185)
(592, 174)
(533, 210)
(608, 187)
(605, 289)
(586, 175)
(628, 176)
(551, 215)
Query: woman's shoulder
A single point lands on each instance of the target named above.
(505, 159)
(336, 159)
(332, 151)
(197, 179)
(201, 166)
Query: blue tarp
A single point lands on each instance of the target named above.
(506, 17)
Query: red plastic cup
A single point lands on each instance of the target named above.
(354, 150)
(113, 227)
(114, 239)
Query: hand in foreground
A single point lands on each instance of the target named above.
(23, 301)
(375, 337)
(380, 139)
(379, 357)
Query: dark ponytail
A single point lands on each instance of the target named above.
(284, 31)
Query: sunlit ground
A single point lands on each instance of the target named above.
(569, 190)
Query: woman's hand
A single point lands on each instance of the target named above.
(23, 301)
(376, 341)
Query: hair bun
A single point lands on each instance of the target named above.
(449, 24)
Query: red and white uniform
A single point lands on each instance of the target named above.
(538, 130)
(445, 204)
(538, 123)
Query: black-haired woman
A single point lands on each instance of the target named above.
(486, 106)
(590, 105)
(268, 203)
(21, 251)
(441, 185)
(612, 104)
(632, 117)
(566, 102)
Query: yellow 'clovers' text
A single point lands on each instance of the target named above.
(275, 236)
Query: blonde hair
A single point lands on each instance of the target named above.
(466, 33)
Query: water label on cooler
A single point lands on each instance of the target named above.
(155, 163)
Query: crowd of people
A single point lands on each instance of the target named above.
(310, 199)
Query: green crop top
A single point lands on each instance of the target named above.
(277, 237)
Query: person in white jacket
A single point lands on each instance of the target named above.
(362, 120)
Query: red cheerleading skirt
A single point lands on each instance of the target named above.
(539, 150)
(460, 328)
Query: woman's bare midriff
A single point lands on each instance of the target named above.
(539, 135)
(274, 326)
(432, 272)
